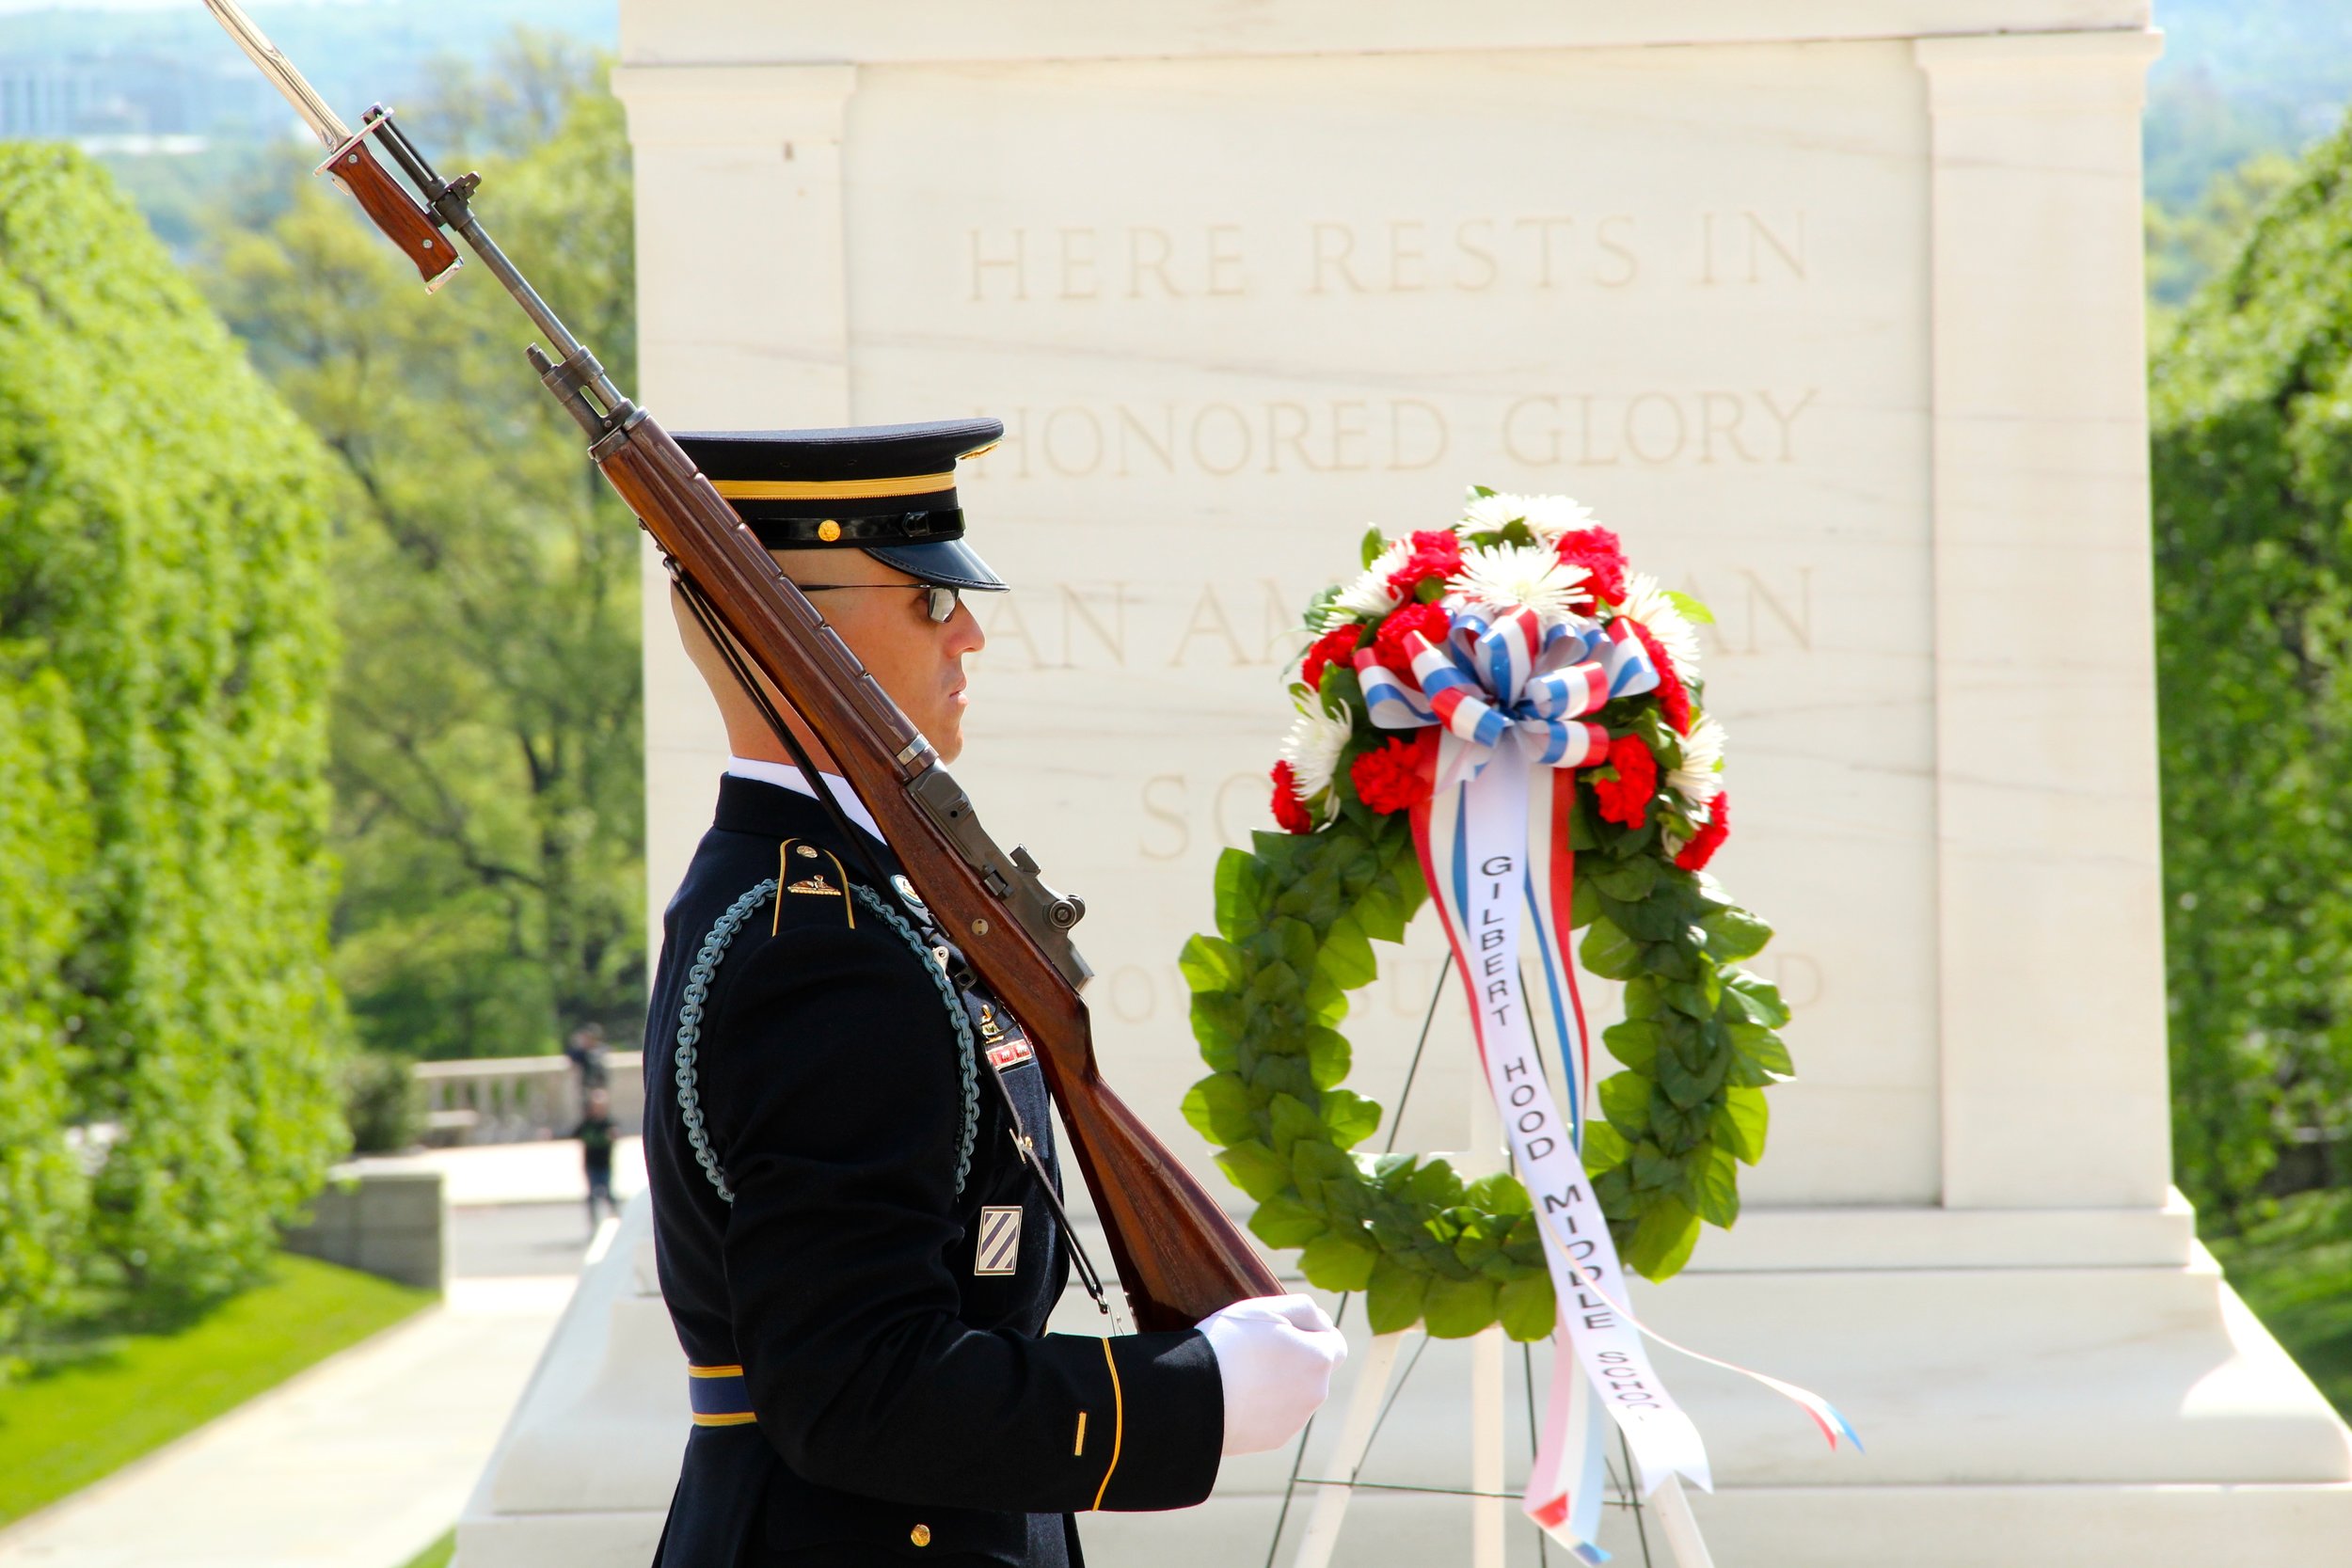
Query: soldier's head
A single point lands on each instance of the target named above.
(865, 520)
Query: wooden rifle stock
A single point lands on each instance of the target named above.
(1176, 1253)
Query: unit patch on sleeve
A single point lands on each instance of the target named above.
(1000, 1239)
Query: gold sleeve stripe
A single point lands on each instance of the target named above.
(715, 1372)
(1119, 1422)
(833, 489)
(732, 1418)
(1080, 1445)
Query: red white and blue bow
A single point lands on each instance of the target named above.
(1513, 675)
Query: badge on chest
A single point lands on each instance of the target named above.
(999, 1251)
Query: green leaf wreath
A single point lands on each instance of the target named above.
(1298, 911)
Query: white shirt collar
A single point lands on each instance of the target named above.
(784, 776)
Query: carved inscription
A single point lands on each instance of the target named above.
(1324, 262)
(1101, 625)
(1254, 623)
(1748, 427)
(1654, 429)
(1101, 264)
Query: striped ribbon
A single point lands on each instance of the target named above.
(1516, 676)
(1513, 675)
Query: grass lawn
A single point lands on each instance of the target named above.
(438, 1554)
(2295, 1270)
(99, 1404)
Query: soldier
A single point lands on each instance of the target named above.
(855, 1190)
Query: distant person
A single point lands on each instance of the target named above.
(597, 1137)
(588, 1054)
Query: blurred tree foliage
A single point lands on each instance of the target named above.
(2189, 244)
(2252, 430)
(164, 655)
(46, 847)
(488, 759)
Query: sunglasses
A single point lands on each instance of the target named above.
(938, 603)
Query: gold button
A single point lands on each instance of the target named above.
(920, 1535)
(830, 530)
(807, 853)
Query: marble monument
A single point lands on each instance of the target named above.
(1833, 309)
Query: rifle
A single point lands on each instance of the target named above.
(1178, 1256)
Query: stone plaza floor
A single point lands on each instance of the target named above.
(363, 1460)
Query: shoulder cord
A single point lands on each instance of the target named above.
(714, 948)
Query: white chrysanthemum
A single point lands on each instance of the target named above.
(1700, 778)
(1368, 596)
(1312, 746)
(1500, 578)
(1546, 517)
(1647, 602)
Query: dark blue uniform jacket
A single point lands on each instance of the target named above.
(907, 1408)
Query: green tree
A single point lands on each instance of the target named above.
(2252, 448)
(164, 615)
(2189, 244)
(45, 845)
(487, 757)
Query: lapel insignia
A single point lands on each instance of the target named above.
(815, 883)
(999, 1249)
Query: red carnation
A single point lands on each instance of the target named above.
(1290, 811)
(1336, 646)
(1671, 695)
(1390, 778)
(1701, 849)
(1436, 554)
(1388, 646)
(1625, 798)
(1597, 551)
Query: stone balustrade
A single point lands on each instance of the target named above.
(505, 1099)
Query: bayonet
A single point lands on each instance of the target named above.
(349, 163)
(281, 71)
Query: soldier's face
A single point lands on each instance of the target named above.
(917, 661)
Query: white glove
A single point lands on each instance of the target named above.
(1275, 1355)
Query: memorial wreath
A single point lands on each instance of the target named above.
(1500, 717)
(1517, 634)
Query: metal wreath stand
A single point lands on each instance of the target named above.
(1370, 1399)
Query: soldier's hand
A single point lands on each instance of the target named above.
(1275, 1355)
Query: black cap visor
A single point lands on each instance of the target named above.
(947, 562)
